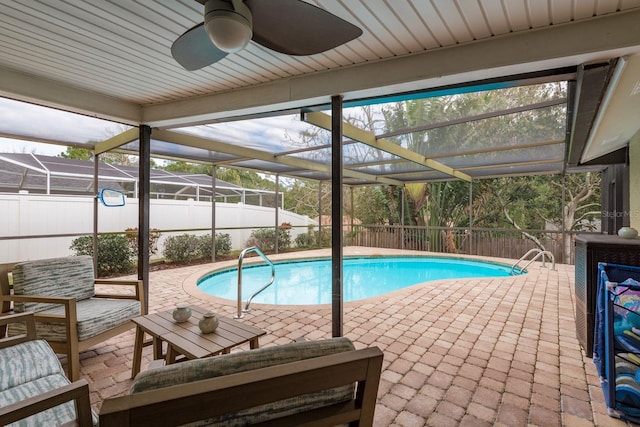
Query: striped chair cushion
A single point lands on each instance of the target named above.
(95, 315)
(216, 366)
(18, 369)
(55, 416)
(29, 369)
(64, 277)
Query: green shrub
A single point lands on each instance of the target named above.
(310, 238)
(114, 254)
(203, 246)
(306, 240)
(223, 243)
(264, 239)
(189, 247)
(182, 248)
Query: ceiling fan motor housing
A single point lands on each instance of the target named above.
(229, 24)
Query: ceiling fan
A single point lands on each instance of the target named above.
(292, 27)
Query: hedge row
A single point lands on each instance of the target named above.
(117, 253)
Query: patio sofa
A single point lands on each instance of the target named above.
(34, 390)
(324, 382)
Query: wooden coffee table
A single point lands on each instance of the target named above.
(187, 339)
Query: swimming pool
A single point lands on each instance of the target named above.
(308, 282)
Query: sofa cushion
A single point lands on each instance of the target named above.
(70, 276)
(55, 416)
(95, 315)
(18, 369)
(216, 366)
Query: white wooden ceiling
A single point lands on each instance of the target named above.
(121, 47)
(111, 58)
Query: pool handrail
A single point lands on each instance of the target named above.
(247, 309)
(539, 253)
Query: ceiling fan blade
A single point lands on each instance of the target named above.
(294, 27)
(194, 49)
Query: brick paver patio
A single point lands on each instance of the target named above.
(498, 351)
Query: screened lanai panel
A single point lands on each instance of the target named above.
(315, 175)
(353, 153)
(200, 180)
(56, 166)
(521, 170)
(60, 166)
(19, 161)
(495, 159)
(392, 169)
(109, 170)
(36, 123)
(425, 176)
(279, 134)
(32, 181)
(512, 130)
(123, 172)
(80, 186)
(177, 179)
(269, 167)
(165, 149)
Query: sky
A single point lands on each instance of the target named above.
(8, 145)
(21, 118)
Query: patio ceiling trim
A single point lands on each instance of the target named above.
(50, 93)
(244, 152)
(324, 121)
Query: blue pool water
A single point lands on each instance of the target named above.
(309, 281)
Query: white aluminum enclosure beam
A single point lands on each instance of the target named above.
(117, 141)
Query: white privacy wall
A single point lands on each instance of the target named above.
(35, 215)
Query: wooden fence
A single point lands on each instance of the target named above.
(502, 243)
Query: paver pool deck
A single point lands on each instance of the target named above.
(489, 351)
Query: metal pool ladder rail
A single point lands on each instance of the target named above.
(246, 309)
(539, 253)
